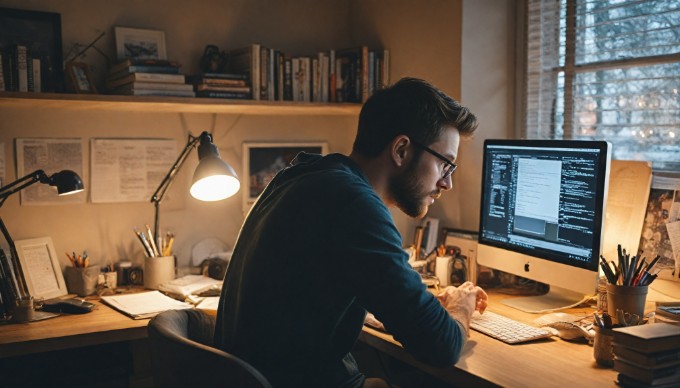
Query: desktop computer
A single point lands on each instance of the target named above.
(541, 216)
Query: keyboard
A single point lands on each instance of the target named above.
(505, 329)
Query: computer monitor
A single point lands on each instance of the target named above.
(542, 211)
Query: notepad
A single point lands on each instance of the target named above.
(144, 304)
(189, 284)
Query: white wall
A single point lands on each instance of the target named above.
(419, 34)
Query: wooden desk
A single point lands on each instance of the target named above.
(101, 326)
(489, 362)
(102, 348)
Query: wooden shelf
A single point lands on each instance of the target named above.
(84, 102)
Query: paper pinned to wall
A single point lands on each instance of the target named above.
(629, 184)
(50, 155)
(129, 170)
(660, 230)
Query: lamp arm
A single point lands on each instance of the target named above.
(22, 183)
(169, 178)
(18, 281)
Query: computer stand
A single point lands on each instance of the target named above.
(556, 299)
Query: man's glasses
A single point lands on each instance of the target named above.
(447, 168)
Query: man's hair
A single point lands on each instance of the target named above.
(410, 107)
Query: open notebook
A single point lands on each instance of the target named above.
(144, 304)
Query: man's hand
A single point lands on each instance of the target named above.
(461, 302)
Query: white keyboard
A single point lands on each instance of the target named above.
(505, 329)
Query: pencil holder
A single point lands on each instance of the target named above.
(602, 347)
(81, 281)
(631, 300)
(158, 270)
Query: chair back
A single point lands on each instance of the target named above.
(183, 356)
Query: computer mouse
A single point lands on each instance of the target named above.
(69, 306)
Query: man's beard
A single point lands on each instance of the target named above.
(409, 194)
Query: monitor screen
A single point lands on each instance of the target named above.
(543, 199)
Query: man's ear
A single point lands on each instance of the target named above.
(400, 150)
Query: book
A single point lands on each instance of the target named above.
(143, 305)
(144, 62)
(670, 311)
(666, 375)
(22, 68)
(217, 79)
(146, 77)
(656, 359)
(2, 76)
(653, 337)
(37, 81)
(143, 69)
(629, 382)
(159, 92)
(141, 85)
(352, 74)
(221, 88)
(189, 284)
(246, 60)
(227, 95)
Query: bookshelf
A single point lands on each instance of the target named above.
(82, 102)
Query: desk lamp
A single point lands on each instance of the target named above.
(14, 288)
(213, 180)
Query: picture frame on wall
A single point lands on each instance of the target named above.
(37, 35)
(261, 162)
(137, 43)
(80, 78)
(40, 267)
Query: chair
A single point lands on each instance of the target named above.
(182, 355)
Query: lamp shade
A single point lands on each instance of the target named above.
(214, 180)
(67, 182)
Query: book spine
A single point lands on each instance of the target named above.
(37, 81)
(255, 71)
(139, 85)
(22, 68)
(240, 89)
(296, 79)
(2, 77)
(364, 74)
(271, 82)
(287, 80)
(331, 76)
(160, 92)
(227, 95)
(264, 58)
(315, 74)
(280, 77)
(385, 68)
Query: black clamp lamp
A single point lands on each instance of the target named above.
(213, 180)
(13, 289)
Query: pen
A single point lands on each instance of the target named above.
(154, 248)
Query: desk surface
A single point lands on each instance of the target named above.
(486, 361)
(102, 325)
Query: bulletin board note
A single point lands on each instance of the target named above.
(128, 170)
(50, 155)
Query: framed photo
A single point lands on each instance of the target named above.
(80, 78)
(139, 44)
(466, 260)
(40, 267)
(261, 161)
(40, 33)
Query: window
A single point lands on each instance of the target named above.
(608, 70)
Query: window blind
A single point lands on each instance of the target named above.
(608, 70)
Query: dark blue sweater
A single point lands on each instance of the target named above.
(316, 251)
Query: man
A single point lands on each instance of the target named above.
(319, 248)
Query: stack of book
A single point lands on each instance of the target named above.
(221, 85)
(148, 77)
(19, 70)
(346, 75)
(647, 355)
